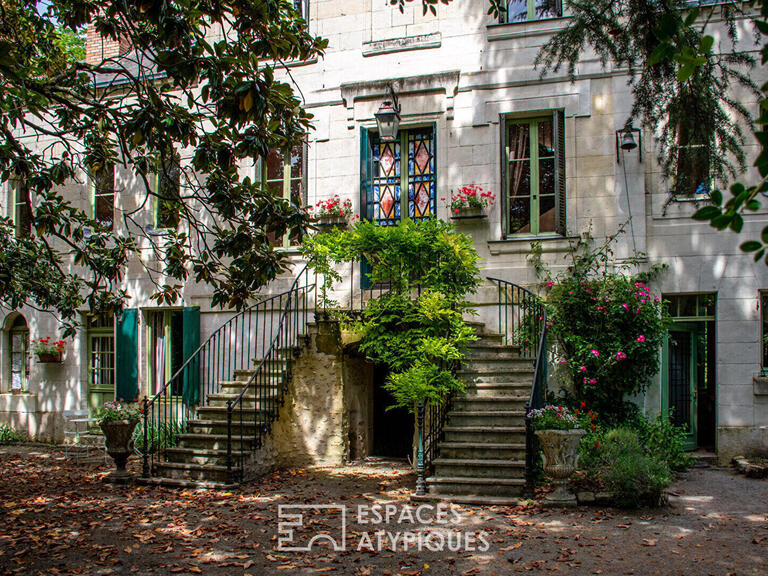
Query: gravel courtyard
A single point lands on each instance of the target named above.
(58, 517)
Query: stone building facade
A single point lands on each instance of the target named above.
(475, 110)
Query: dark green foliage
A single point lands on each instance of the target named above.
(178, 87)
(8, 435)
(159, 435)
(616, 461)
(415, 326)
(682, 88)
(608, 327)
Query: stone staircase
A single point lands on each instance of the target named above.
(199, 458)
(482, 455)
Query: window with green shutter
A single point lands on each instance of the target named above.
(534, 175)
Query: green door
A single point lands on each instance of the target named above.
(680, 379)
(101, 362)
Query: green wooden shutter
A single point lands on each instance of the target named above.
(504, 195)
(558, 120)
(366, 196)
(127, 352)
(191, 378)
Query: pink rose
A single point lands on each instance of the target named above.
(641, 338)
(596, 353)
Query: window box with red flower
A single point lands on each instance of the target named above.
(471, 202)
(48, 351)
(333, 213)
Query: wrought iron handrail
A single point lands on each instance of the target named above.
(269, 381)
(230, 348)
(522, 320)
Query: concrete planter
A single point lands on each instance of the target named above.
(348, 337)
(561, 454)
(328, 223)
(118, 439)
(47, 358)
(468, 213)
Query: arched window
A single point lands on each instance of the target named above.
(18, 353)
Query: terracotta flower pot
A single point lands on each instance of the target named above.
(561, 455)
(118, 437)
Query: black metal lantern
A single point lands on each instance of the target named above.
(625, 140)
(388, 117)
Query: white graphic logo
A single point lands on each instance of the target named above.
(293, 518)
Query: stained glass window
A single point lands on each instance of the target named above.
(389, 180)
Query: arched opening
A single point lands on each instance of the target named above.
(18, 354)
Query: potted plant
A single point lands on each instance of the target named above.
(118, 420)
(560, 431)
(48, 352)
(351, 331)
(471, 202)
(333, 213)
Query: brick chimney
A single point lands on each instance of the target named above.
(98, 48)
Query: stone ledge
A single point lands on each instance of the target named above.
(511, 30)
(403, 44)
(760, 385)
(522, 245)
(23, 403)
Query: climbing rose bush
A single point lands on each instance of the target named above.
(609, 332)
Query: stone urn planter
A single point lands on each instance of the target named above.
(350, 337)
(469, 213)
(118, 436)
(330, 222)
(561, 454)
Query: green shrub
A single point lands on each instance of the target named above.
(9, 435)
(159, 436)
(618, 462)
(664, 442)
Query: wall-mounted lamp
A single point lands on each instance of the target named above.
(625, 140)
(388, 117)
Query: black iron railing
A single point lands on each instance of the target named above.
(250, 416)
(236, 346)
(522, 321)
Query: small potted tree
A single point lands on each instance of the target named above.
(560, 431)
(48, 352)
(118, 420)
(333, 213)
(471, 202)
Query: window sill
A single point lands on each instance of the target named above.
(24, 403)
(403, 44)
(521, 244)
(511, 30)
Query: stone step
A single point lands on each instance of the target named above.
(198, 426)
(490, 363)
(203, 456)
(470, 374)
(186, 471)
(486, 418)
(477, 487)
(516, 392)
(248, 402)
(483, 450)
(470, 499)
(489, 469)
(476, 354)
(473, 402)
(182, 483)
(482, 434)
(217, 441)
(236, 386)
(220, 413)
